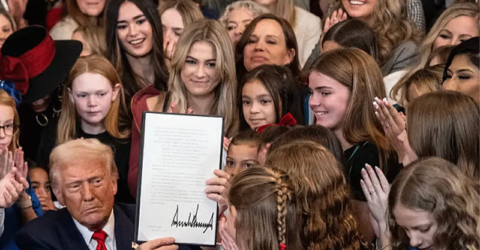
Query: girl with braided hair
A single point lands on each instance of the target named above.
(266, 95)
(262, 211)
(324, 210)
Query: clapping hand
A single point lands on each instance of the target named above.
(336, 17)
(228, 243)
(10, 188)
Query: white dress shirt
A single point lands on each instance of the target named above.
(109, 228)
(2, 218)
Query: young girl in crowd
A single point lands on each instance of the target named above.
(175, 16)
(397, 37)
(325, 219)
(93, 39)
(202, 81)
(443, 124)
(431, 205)
(462, 71)
(76, 13)
(134, 36)
(7, 26)
(423, 81)
(266, 95)
(237, 17)
(262, 212)
(307, 27)
(341, 83)
(94, 107)
(242, 152)
(351, 33)
(41, 185)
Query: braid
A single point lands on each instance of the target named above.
(282, 196)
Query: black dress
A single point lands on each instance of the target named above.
(357, 156)
(120, 147)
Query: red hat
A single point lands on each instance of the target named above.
(35, 63)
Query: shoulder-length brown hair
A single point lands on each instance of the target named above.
(265, 205)
(187, 9)
(359, 72)
(446, 124)
(70, 8)
(116, 122)
(438, 187)
(324, 206)
(290, 42)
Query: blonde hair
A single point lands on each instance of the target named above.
(324, 209)
(436, 186)
(286, 9)
(213, 32)
(117, 122)
(254, 8)
(391, 26)
(7, 100)
(94, 37)
(359, 72)
(83, 150)
(426, 48)
(187, 9)
(446, 124)
(265, 204)
(425, 80)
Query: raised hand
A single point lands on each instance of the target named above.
(394, 127)
(336, 17)
(6, 162)
(217, 189)
(376, 188)
(228, 243)
(10, 188)
(174, 109)
(20, 164)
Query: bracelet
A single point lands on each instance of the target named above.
(25, 203)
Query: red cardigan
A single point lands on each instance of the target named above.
(139, 104)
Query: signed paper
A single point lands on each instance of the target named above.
(178, 154)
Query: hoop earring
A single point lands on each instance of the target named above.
(44, 118)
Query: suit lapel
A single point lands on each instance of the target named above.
(73, 237)
(123, 229)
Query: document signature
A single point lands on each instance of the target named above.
(193, 223)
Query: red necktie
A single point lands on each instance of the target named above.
(100, 237)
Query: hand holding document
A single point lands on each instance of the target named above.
(178, 154)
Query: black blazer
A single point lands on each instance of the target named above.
(57, 231)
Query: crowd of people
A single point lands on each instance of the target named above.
(348, 124)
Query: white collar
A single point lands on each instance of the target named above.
(109, 228)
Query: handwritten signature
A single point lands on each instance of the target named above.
(193, 223)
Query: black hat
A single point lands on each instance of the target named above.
(35, 63)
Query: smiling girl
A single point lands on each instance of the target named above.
(341, 84)
(202, 81)
(135, 45)
(267, 94)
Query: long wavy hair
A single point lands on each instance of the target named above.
(225, 93)
(438, 187)
(324, 207)
(426, 48)
(7, 100)
(265, 204)
(70, 8)
(391, 26)
(286, 9)
(117, 55)
(359, 72)
(281, 85)
(446, 124)
(117, 122)
(187, 9)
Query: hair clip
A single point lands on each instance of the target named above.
(287, 120)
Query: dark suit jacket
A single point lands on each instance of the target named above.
(57, 231)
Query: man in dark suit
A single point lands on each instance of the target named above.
(84, 179)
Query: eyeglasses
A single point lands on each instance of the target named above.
(9, 129)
